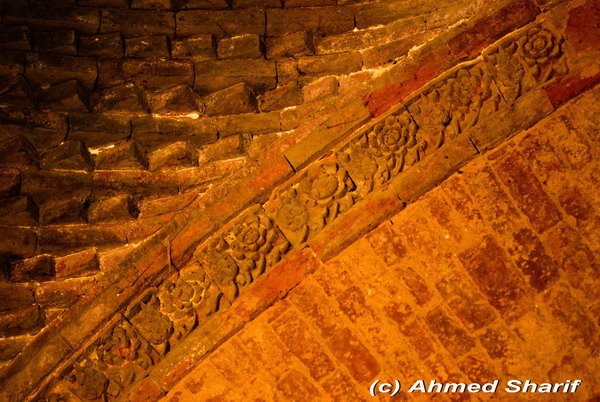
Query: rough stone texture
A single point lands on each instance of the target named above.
(319, 191)
(424, 306)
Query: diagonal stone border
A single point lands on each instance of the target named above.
(403, 154)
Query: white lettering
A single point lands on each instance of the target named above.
(419, 385)
(513, 386)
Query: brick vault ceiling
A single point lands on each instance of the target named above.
(170, 169)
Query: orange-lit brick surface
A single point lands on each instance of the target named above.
(492, 275)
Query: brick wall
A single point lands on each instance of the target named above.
(494, 274)
(200, 149)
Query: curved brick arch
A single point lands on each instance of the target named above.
(264, 217)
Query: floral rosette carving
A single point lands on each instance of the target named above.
(382, 153)
(467, 96)
(292, 215)
(87, 383)
(319, 197)
(153, 325)
(533, 59)
(256, 244)
(223, 269)
(539, 46)
(189, 299)
(431, 118)
(119, 359)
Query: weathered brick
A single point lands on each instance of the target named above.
(196, 228)
(85, 19)
(147, 47)
(388, 244)
(148, 74)
(105, 3)
(98, 129)
(124, 98)
(540, 154)
(428, 173)
(296, 387)
(286, 275)
(219, 74)
(236, 99)
(321, 20)
(296, 335)
(68, 96)
(176, 155)
(527, 191)
(353, 354)
(465, 300)
(569, 311)
(368, 15)
(105, 45)
(253, 3)
(197, 47)
(127, 22)
(55, 41)
(225, 148)
(327, 133)
(313, 302)
(123, 156)
(150, 130)
(10, 182)
(240, 47)
(51, 69)
(18, 211)
(495, 205)
(260, 342)
(38, 268)
(249, 123)
(289, 44)
(77, 264)
(15, 296)
(341, 387)
(336, 64)
(582, 26)
(205, 4)
(113, 208)
(454, 338)
(18, 152)
(483, 31)
(14, 37)
(572, 146)
(178, 100)
(61, 294)
(155, 4)
(498, 280)
(69, 210)
(238, 373)
(18, 322)
(437, 205)
(320, 88)
(19, 242)
(529, 255)
(572, 255)
(204, 382)
(281, 97)
(391, 51)
(11, 347)
(478, 369)
(354, 224)
(145, 390)
(414, 329)
(221, 23)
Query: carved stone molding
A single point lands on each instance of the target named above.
(254, 242)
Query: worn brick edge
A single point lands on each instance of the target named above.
(121, 277)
